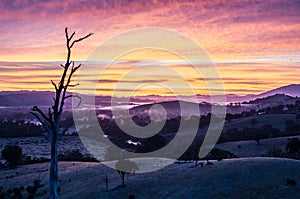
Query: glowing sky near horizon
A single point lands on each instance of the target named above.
(255, 44)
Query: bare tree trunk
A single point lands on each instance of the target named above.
(53, 174)
(51, 120)
(123, 178)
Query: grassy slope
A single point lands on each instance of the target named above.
(236, 178)
(251, 149)
(275, 120)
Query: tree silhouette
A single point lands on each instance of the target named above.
(12, 154)
(125, 166)
(293, 147)
(51, 120)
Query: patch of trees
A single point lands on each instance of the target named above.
(279, 109)
(21, 192)
(243, 114)
(19, 128)
(292, 150)
(76, 155)
(219, 154)
(270, 99)
(162, 138)
(214, 154)
(250, 133)
(22, 128)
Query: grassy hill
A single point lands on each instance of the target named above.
(235, 178)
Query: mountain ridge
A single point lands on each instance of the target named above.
(44, 98)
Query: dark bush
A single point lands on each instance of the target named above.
(9, 192)
(276, 152)
(293, 148)
(151, 144)
(74, 155)
(291, 182)
(219, 154)
(17, 191)
(31, 190)
(37, 183)
(12, 154)
(131, 197)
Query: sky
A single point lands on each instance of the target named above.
(255, 45)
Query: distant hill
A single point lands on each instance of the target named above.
(292, 90)
(26, 98)
(44, 98)
(173, 108)
(273, 99)
(37, 98)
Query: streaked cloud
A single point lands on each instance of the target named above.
(254, 44)
(238, 78)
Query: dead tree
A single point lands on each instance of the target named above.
(50, 119)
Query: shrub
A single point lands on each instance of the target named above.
(291, 182)
(73, 155)
(76, 155)
(219, 154)
(12, 154)
(276, 152)
(293, 148)
(131, 196)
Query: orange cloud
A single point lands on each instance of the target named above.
(227, 30)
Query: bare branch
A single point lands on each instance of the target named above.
(38, 110)
(50, 114)
(73, 70)
(41, 121)
(74, 85)
(62, 65)
(76, 68)
(55, 86)
(66, 32)
(80, 39)
(72, 36)
(74, 96)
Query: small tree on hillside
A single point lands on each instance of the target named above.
(125, 166)
(51, 120)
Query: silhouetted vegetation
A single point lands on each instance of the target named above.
(250, 133)
(276, 152)
(10, 128)
(76, 155)
(124, 167)
(293, 148)
(21, 192)
(12, 154)
(291, 182)
(219, 154)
